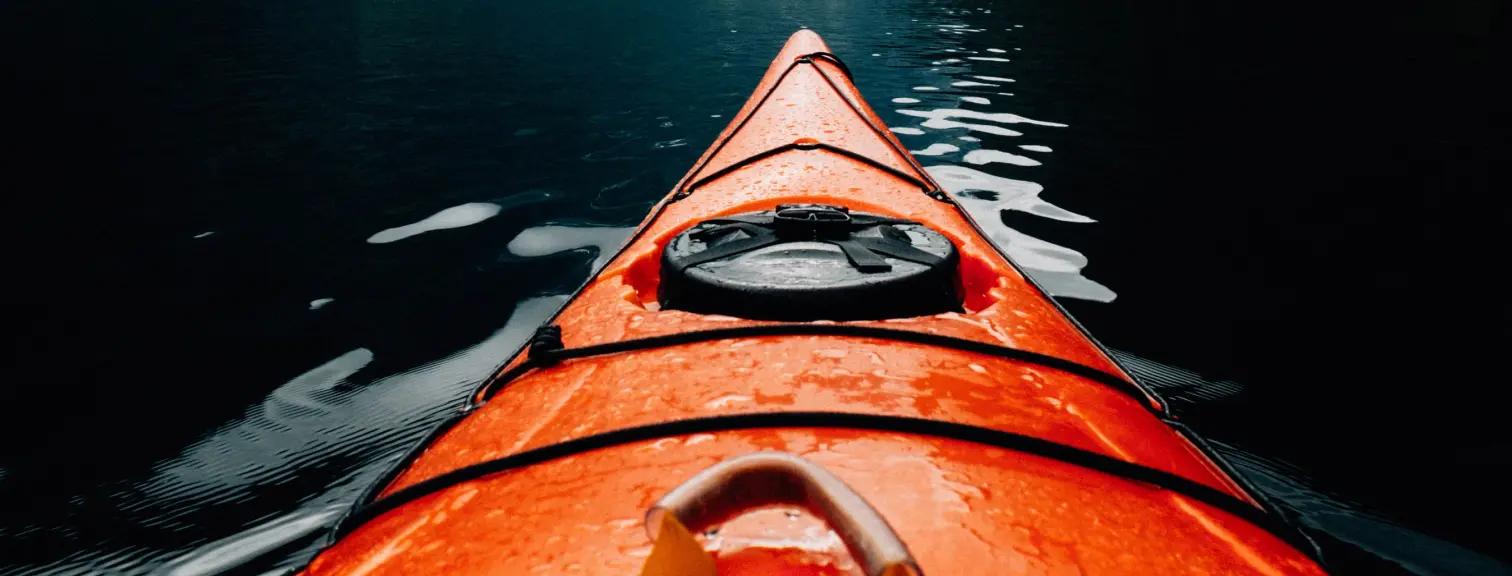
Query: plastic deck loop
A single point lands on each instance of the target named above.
(729, 488)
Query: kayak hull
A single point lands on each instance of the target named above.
(962, 506)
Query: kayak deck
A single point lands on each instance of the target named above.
(961, 503)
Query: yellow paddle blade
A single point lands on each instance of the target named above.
(677, 553)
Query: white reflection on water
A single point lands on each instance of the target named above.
(943, 124)
(936, 149)
(999, 117)
(1006, 193)
(1056, 268)
(987, 196)
(985, 156)
(454, 217)
(553, 239)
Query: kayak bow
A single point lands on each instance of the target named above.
(809, 360)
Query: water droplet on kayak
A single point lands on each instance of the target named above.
(728, 400)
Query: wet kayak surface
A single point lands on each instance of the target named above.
(341, 217)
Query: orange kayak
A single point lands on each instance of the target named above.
(809, 360)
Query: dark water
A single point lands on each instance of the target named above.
(225, 321)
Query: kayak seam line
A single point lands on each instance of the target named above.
(924, 181)
(828, 420)
(546, 357)
(934, 187)
(682, 189)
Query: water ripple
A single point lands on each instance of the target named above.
(324, 428)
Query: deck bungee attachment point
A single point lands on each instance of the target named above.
(808, 358)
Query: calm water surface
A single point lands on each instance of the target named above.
(321, 223)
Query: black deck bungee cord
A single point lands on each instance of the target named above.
(546, 349)
(827, 420)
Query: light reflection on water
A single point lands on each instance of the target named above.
(555, 239)
(1004, 180)
(454, 217)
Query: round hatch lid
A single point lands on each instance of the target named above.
(810, 262)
